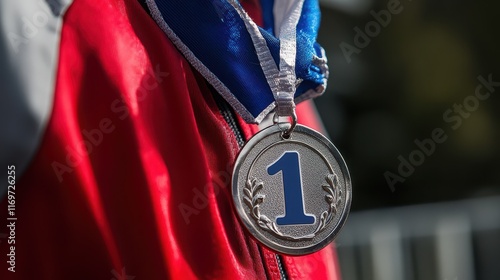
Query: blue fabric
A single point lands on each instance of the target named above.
(216, 35)
(267, 15)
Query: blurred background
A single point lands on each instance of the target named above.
(394, 80)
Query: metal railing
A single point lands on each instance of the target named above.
(444, 241)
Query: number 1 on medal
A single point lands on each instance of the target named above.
(289, 166)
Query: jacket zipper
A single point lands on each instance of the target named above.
(280, 267)
(228, 115)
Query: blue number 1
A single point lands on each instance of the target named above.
(289, 166)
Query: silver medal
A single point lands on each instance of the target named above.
(291, 191)
(290, 185)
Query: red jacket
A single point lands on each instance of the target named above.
(131, 177)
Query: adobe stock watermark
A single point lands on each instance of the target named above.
(199, 200)
(372, 29)
(122, 275)
(92, 138)
(32, 24)
(453, 116)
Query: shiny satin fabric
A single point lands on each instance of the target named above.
(131, 180)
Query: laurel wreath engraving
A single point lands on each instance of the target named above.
(253, 198)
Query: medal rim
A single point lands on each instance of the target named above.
(243, 216)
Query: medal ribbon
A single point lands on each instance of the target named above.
(240, 59)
